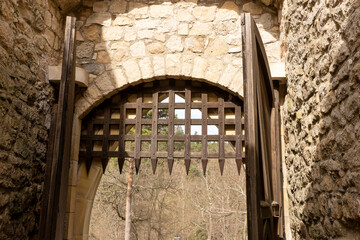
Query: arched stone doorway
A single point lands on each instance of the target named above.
(211, 112)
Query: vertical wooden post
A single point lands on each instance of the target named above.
(56, 181)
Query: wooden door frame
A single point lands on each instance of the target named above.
(262, 145)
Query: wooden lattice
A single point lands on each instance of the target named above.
(165, 119)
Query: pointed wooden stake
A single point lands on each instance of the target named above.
(238, 164)
(187, 165)
(137, 165)
(88, 164)
(154, 162)
(121, 163)
(221, 164)
(204, 165)
(170, 164)
(104, 163)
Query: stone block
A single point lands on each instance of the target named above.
(252, 8)
(187, 64)
(195, 44)
(112, 33)
(119, 54)
(214, 70)
(174, 44)
(48, 17)
(159, 65)
(92, 33)
(101, 6)
(156, 48)
(130, 35)
(184, 15)
(267, 21)
(161, 11)
(138, 49)
(228, 11)
(48, 34)
(105, 84)
(138, 10)
(173, 64)
(117, 6)
(147, 23)
(205, 14)
(228, 75)
(120, 79)
(147, 70)
(199, 67)
(145, 34)
(183, 29)
(122, 21)
(132, 70)
(201, 29)
(103, 57)
(102, 18)
(216, 48)
(85, 50)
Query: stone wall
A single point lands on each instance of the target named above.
(30, 36)
(121, 43)
(322, 119)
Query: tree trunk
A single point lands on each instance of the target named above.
(128, 201)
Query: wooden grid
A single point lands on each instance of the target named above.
(159, 120)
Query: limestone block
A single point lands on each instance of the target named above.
(169, 25)
(184, 15)
(199, 67)
(85, 50)
(95, 68)
(228, 11)
(201, 29)
(252, 8)
(123, 21)
(236, 84)
(267, 21)
(146, 68)
(214, 70)
(174, 44)
(48, 18)
(228, 75)
(81, 76)
(173, 64)
(102, 18)
(101, 6)
(101, 46)
(183, 29)
(268, 37)
(156, 48)
(103, 57)
(92, 33)
(117, 6)
(119, 78)
(105, 84)
(138, 10)
(216, 48)
(138, 49)
(132, 70)
(147, 23)
(116, 45)
(278, 70)
(160, 37)
(205, 14)
(130, 35)
(119, 54)
(235, 50)
(161, 11)
(145, 34)
(187, 64)
(159, 65)
(195, 44)
(49, 36)
(112, 33)
(82, 107)
(92, 94)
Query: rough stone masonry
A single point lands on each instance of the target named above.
(321, 117)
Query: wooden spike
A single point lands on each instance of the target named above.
(137, 165)
(204, 165)
(221, 164)
(154, 162)
(121, 163)
(238, 164)
(88, 164)
(104, 163)
(170, 164)
(187, 165)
